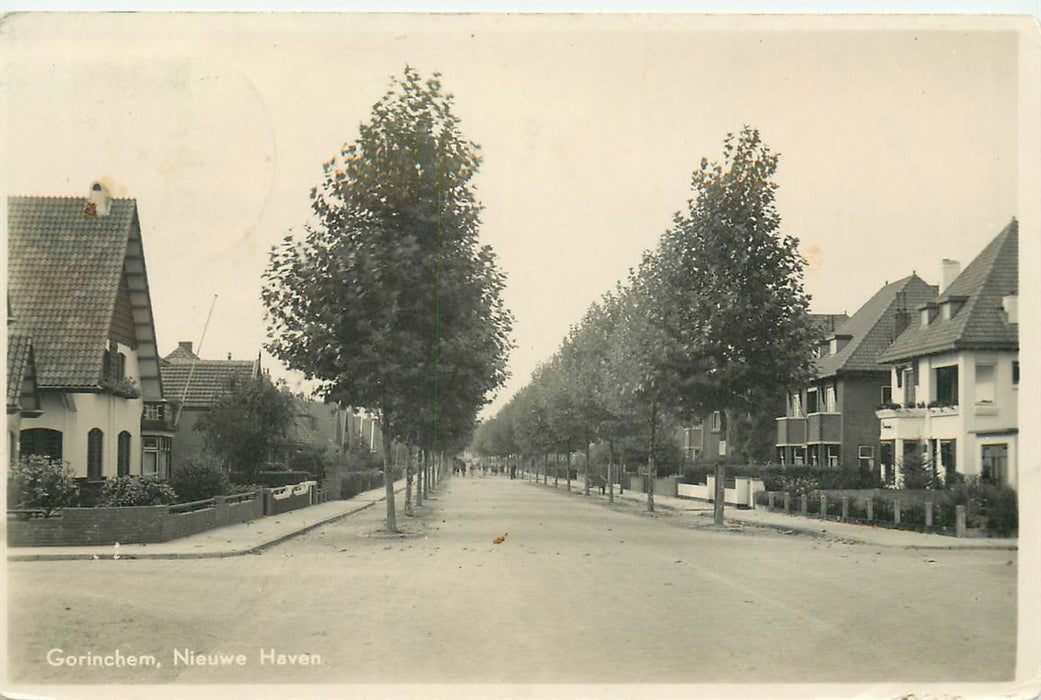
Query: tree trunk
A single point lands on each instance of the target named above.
(610, 465)
(420, 480)
(556, 470)
(545, 469)
(569, 465)
(388, 475)
(408, 484)
(650, 458)
(587, 467)
(717, 503)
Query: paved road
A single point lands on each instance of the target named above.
(577, 592)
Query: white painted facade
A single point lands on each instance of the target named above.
(983, 422)
(76, 414)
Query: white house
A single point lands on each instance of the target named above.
(77, 287)
(955, 372)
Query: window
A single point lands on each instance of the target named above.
(123, 454)
(829, 398)
(1015, 372)
(155, 412)
(947, 458)
(885, 457)
(832, 453)
(155, 456)
(947, 385)
(908, 376)
(95, 455)
(41, 441)
(796, 405)
(716, 421)
(994, 463)
(984, 383)
(811, 400)
(887, 394)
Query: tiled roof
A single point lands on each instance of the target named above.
(981, 322)
(872, 327)
(208, 379)
(827, 323)
(19, 349)
(63, 276)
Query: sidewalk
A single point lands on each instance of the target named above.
(230, 541)
(864, 534)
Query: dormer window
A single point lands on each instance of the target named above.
(952, 305)
(1010, 305)
(928, 313)
(837, 342)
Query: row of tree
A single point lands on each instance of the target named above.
(388, 300)
(714, 319)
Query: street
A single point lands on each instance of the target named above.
(575, 592)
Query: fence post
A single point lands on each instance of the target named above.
(928, 513)
(824, 506)
(787, 503)
(870, 509)
(896, 512)
(770, 500)
(845, 508)
(959, 521)
(803, 502)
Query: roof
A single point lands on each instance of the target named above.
(981, 322)
(208, 378)
(19, 352)
(826, 323)
(64, 270)
(873, 327)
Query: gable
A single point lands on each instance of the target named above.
(66, 270)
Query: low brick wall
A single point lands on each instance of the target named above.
(287, 498)
(133, 525)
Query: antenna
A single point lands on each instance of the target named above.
(191, 371)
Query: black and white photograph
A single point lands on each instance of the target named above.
(521, 354)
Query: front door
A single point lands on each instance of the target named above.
(994, 463)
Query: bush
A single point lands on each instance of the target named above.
(353, 483)
(126, 491)
(198, 478)
(37, 481)
(999, 509)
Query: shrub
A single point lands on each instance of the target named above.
(124, 491)
(353, 483)
(198, 478)
(37, 481)
(273, 479)
(999, 509)
(917, 472)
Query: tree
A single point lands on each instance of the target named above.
(246, 425)
(389, 301)
(730, 293)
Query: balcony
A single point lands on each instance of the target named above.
(824, 427)
(902, 423)
(791, 430)
(157, 418)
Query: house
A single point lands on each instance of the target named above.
(193, 387)
(831, 420)
(705, 440)
(23, 396)
(954, 373)
(83, 371)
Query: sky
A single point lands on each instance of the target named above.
(898, 141)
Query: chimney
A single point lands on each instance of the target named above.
(185, 345)
(950, 271)
(229, 356)
(99, 202)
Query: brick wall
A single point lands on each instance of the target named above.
(134, 525)
(860, 425)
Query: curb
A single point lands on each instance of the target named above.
(222, 554)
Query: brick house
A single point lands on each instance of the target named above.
(193, 387)
(831, 421)
(82, 350)
(954, 373)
